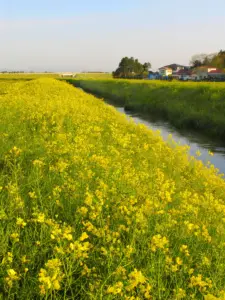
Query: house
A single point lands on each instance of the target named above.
(182, 74)
(165, 71)
(194, 76)
(172, 70)
(216, 75)
(176, 67)
(208, 73)
(153, 75)
(202, 72)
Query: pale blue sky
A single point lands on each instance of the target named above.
(71, 35)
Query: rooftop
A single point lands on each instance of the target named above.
(217, 71)
(183, 72)
(174, 66)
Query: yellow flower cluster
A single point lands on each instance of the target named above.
(20, 222)
(12, 276)
(200, 283)
(51, 277)
(159, 242)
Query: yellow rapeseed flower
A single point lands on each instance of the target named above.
(12, 276)
(15, 236)
(20, 222)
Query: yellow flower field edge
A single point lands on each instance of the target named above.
(30, 76)
(26, 76)
(194, 105)
(93, 206)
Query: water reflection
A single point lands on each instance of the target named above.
(195, 141)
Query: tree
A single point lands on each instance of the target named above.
(196, 63)
(146, 66)
(131, 68)
(197, 60)
(216, 60)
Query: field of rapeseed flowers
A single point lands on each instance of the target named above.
(93, 206)
(26, 76)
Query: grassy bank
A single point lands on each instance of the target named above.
(199, 106)
(93, 206)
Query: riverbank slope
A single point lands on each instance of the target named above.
(199, 106)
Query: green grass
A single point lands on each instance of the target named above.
(96, 76)
(199, 106)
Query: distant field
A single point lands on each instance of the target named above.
(200, 106)
(6, 86)
(93, 206)
(93, 76)
(27, 76)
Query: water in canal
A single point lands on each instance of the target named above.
(195, 141)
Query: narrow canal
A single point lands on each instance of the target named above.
(195, 141)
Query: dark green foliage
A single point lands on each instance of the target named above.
(216, 60)
(131, 68)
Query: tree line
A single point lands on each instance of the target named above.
(131, 68)
(216, 60)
